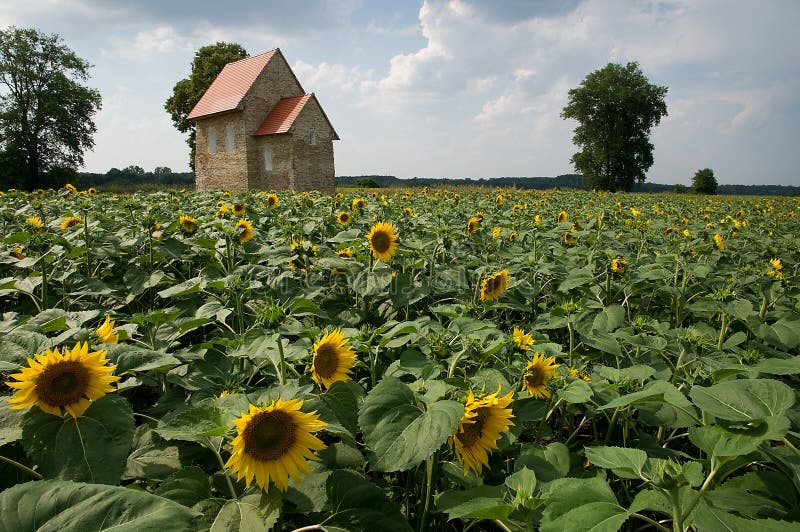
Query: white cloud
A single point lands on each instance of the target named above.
(146, 44)
(334, 77)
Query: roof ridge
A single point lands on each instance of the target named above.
(252, 56)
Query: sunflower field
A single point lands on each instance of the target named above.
(399, 360)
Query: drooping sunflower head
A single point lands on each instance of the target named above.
(472, 226)
(523, 340)
(344, 217)
(382, 240)
(562, 217)
(34, 221)
(68, 381)
(17, 253)
(499, 200)
(272, 201)
(69, 221)
(537, 219)
(274, 443)
(494, 285)
(512, 236)
(106, 333)
(482, 424)
(538, 371)
(618, 265)
(245, 231)
(358, 204)
(332, 359)
(188, 224)
(480, 216)
(568, 240)
(71, 188)
(222, 209)
(238, 209)
(776, 264)
(719, 242)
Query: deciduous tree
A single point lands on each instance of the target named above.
(616, 107)
(704, 182)
(45, 112)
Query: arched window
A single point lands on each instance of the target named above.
(268, 158)
(212, 140)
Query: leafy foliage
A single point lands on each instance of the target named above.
(704, 182)
(673, 404)
(45, 112)
(616, 107)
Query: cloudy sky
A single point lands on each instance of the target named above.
(458, 88)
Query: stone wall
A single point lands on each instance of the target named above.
(313, 165)
(224, 169)
(280, 176)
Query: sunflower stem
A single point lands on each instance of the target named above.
(21, 467)
(221, 463)
(431, 468)
(282, 373)
(794, 449)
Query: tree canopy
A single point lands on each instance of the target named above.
(45, 112)
(208, 62)
(616, 107)
(704, 181)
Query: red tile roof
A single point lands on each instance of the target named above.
(228, 89)
(282, 116)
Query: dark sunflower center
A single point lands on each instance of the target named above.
(534, 377)
(63, 383)
(381, 241)
(472, 432)
(492, 285)
(326, 361)
(269, 435)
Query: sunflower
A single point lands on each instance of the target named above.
(222, 209)
(106, 333)
(562, 217)
(333, 359)
(408, 212)
(69, 221)
(472, 226)
(523, 340)
(537, 373)
(188, 224)
(246, 233)
(516, 209)
(275, 443)
(494, 285)
(512, 236)
(71, 188)
(537, 219)
(344, 217)
(482, 424)
(568, 240)
(576, 373)
(92, 191)
(777, 266)
(238, 209)
(358, 204)
(719, 242)
(618, 265)
(272, 200)
(34, 221)
(17, 253)
(499, 200)
(496, 232)
(383, 241)
(70, 381)
(345, 253)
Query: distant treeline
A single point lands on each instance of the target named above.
(574, 181)
(136, 178)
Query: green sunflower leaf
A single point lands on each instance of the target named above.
(56, 505)
(93, 447)
(400, 431)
